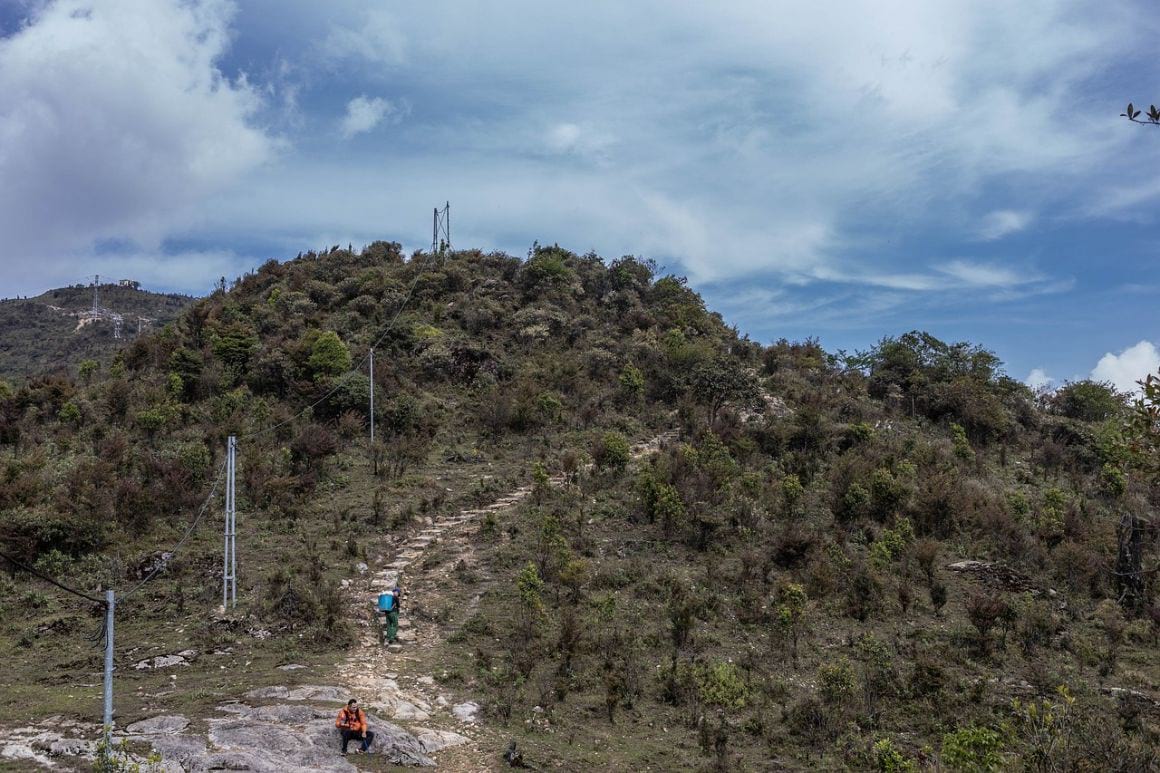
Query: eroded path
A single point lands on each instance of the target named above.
(395, 680)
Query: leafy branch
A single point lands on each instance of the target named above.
(1133, 115)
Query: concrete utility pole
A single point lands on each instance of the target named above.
(230, 559)
(372, 398)
(110, 603)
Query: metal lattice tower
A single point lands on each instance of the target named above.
(96, 295)
(441, 230)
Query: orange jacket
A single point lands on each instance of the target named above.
(351, 720)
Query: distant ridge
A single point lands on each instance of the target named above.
(55, 330)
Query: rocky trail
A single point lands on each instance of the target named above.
(290, 728)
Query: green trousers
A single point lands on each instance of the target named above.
(392, 625)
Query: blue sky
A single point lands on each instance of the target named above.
(844, 170)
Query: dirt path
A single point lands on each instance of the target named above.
(396, 680)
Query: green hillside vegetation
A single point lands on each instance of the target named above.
(771, 590)
(42, 334)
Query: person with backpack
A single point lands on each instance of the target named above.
(393, 616)
(352, 723)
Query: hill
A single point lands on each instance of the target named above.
(57, 329)
(629, 537)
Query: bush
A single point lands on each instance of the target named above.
(721, 685)
(611, 451)
(836, 682)
(1087, 400)
(973, 749)
(888, 759)
(312, 442)
(31, 533)
(329, 356)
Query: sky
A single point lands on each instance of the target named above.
(844, 170)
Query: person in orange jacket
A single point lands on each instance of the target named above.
(352, 723)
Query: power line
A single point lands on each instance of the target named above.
(46, 578)
(184, 537)
(358, 368)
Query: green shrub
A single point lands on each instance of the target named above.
(611, 451)
(836, 682)
(70, 413)
(857, 434)
(86, 370)
(892, 543)
(329, 356)
(1088, 400)
(722, 685)
(888, 759)
(631, 382)
(153, 420)
(973, 749)
(962, 445)
(791, 610)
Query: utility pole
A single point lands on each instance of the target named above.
(374, 456)
(110, 603)
(230, 559)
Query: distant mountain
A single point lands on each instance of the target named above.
(56, 330)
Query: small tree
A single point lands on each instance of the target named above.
(791, 612)
(530, 588)
(985, 612)
(329, 356)
(720, 381)
(87, 369)
(631, 383)
(1088, 400)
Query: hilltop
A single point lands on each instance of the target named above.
(56, 330)
(633, 537)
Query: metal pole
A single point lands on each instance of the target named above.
(229, 557)
(372, 398)
(226, 532)
(233, 521)
(110, 603)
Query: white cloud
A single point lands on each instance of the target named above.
(1038, 379)
(1003, 222)
(1129, 366)
(579, 140)
(115, 122)
(372, 35)
(364, 114)
(956, 275)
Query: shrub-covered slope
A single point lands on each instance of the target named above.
(890, 561)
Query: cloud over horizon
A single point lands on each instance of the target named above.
(116, 125)
(1133, 364)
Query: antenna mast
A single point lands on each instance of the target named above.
(441, 230)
